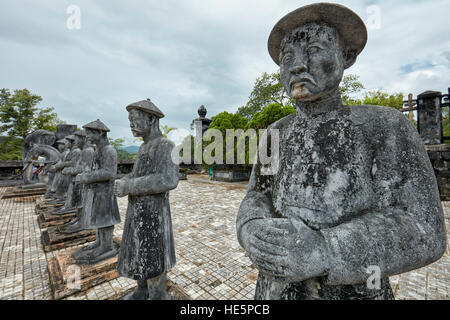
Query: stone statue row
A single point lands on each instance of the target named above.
(82, 177)
(354, 187)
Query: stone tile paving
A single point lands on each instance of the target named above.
(210, 262)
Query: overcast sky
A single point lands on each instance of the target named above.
(182, 54)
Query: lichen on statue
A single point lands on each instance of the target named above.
(340, 201)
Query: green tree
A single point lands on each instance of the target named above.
(226, 120)
(122, 155)
(270, 114)
(10, 148)
(349, 86)
(20, 116)
(267, 89)
(380, 98)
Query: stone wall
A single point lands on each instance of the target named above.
(440, 159)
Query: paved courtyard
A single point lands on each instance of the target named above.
(210, 262)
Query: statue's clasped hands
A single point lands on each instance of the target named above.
(279, 249)
(119, 188)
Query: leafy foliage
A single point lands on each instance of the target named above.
(20, 116)
(122, 155)
(270, 114)
(268, 89)
(380, 98)
(350, 85)
(226, 120)
(10, 148)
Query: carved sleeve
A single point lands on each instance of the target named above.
(405, 230)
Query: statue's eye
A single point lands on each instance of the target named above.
(288, 57)
(314, 49)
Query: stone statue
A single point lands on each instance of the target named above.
(42, 137)
(354, 192)
(147, 251)
(63, 146)
(84, 165)
(61, 182)
(51, 156)
(73, 198)
(100, 204)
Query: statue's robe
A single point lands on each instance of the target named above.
(60, 183)
(73, 193)
(147, 248)
(100, 209)
(360, 176)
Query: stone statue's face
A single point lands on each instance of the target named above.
(92, 135)
(139, 123)
(61, 147)
(312, 63)
(79, 141)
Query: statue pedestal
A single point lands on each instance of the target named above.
(47, 219)
(15, 192)
(52, 239)
(68, 278)
(46, 205)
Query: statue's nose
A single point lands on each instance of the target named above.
(298, 68)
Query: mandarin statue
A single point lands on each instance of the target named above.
(101, 211)
(353, 190)
(84, 165)
(147, 251)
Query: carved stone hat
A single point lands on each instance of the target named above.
(70, 137)
(146, 106)
(349, 25)
(81, 133)
(97, 125)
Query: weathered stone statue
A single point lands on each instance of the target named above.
(41, 137)
(147, 251)
(63, 187)
(58, 188)
(51, 156)
(84, 165)
(100, 203)
(354, 192)
(73, 199)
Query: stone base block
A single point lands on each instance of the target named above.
(16, 192)
(68, 278)
(43, 205)
(52, 239)
(47, 219)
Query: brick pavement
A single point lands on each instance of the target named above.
(210, 262)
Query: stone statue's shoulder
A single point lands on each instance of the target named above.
(166, 143)
(110, 149)
(283, 122)
(385, 117)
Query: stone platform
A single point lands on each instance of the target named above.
(16, 192)
(210, 262)
(67, 277)
(52, 239)
(47, 219)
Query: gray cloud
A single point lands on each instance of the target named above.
(182, 54)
